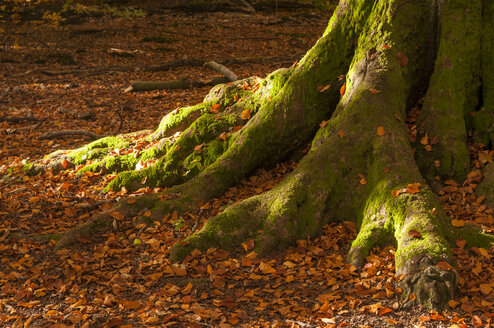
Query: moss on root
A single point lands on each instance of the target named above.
(452, 93)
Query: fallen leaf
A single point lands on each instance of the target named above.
(385, 46)
(380, 131)
(131, 305)
(444, 265)
(457, 223)
(461, 243)
(245, 114)
(215, 109)
(341, 134)
(414, 233)
(375, 91)
(402, 59)
(413, 188)
(266, 268)
(323, 124)
(342, 90)
(485, 289)
(323, 88)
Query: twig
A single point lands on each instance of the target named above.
(174, 84)
(18, 119)
(55, 134)
(248, 6)
(222, 69)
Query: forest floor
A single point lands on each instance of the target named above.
(74, 77)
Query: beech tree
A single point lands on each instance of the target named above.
(348, 97)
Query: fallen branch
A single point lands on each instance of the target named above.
(55, 134)
(18, 119)
(166, 66)
(222, 69)
(174, 84)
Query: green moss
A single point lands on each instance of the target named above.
(474, 236)
(97, 149)
(483, 126)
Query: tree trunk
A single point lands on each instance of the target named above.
(376, 63)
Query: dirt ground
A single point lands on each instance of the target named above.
(74, 77)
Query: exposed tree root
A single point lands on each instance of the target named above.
(361, 165)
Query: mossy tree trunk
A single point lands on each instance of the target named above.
(376, 60)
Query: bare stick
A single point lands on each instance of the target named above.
(55, 134)
(222, 69)
(18, 119)
(248, 6)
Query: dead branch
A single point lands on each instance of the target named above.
(175, 84)
(166, 66)
(248, 6)
(222, 69)
(55, 134)
(18, 119)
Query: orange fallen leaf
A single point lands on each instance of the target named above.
(323, 124)
(323, 88)
(65, 163)
(452, 303)
(342, 90)
(424, 318)
(341, 134)
(198, 147)
(363, 181)
(375, 91)
(437, 163)
(117, 215)
(428, 147)
(457, 223)
(266, 268)
(397, 117)
(461, 243)
(245, 114)
(385, 310)
(223, 136)
(131, 305)
(414, 233)
(380, 131)
(385, 46)
(215, 109)
(424, 140)
(402, 59)
(444, 265)
(413, 188)
(237, 128)
(485, 289)
(395, 193)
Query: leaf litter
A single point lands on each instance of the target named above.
(124, 278)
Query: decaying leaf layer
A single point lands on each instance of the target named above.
(375, 60)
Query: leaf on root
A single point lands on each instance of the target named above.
(444, 265)
(342, 90)
(402, 59)
(215, 109)
(323, 124)
(245, 114)
(457, 223)
(414, 233)
(413, 188)
(374, 91)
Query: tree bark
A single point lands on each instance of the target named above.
(349, 96)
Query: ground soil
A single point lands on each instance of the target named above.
(69, 78)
